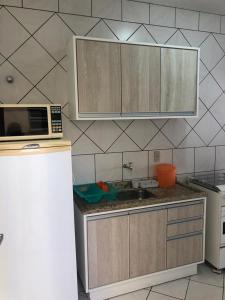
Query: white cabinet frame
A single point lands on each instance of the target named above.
(73, 87)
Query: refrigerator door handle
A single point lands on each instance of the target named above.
(1, 238)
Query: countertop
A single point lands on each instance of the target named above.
(177, 193)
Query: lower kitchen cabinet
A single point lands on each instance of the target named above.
(183, 251)
(118, 251)
(108, 248)
(147, 242)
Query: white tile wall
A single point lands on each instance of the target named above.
(165, 157)
(41, 4)
(204, 159)
(220, 158)
(187, 19)
(11, 2)
(109, 166)
(209, 22)
(140, 164)
(223, 24)
(135, 12)
(184, 160)
(162, 15)
(75, 6)
(39, 65)
(83, 169)
(110, 9)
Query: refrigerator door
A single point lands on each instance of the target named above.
(37, 250)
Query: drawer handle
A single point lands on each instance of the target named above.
(32, 146)
(186, 235)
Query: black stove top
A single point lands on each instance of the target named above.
(212, 181)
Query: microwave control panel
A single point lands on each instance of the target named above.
(56, 119)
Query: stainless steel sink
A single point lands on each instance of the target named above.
(137, 194)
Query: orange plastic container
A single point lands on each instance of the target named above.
(166, 175)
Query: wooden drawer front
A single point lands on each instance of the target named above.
(185, 212)
(184, 227)
(184, 251)
(108, 250)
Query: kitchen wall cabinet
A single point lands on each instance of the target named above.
(147, 242)
(133, 248)
(123, 80)
(178, 81)
(98, 75)
(140, 78)
(108, 246)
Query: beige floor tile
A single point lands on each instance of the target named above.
(156, 296)
(200, 291)
(205, 275)
(138, 295)
(176, 288)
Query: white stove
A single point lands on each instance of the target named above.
(214, 185)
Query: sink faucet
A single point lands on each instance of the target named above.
(128, 166)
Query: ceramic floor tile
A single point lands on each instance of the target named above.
(200, 291)
(157, 296)
(205, 275)
(176, 288)
(138, 295)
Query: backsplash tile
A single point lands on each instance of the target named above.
(220, 158)
(165, 157)
(204, 159)
(184, 160)
(109, 166)
(99, 148)
(83, 169)
(140, 164)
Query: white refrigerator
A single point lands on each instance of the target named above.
(37, 235)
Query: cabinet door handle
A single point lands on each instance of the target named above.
(1, 238)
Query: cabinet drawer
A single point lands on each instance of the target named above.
(184, 251)
(184, 227)
(185, 212)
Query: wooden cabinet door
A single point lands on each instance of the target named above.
(140, 78)
(179, 71)
(184, 251)
(108, 250)
(99, 77)
(147, 242)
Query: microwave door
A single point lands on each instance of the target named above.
(2, 122)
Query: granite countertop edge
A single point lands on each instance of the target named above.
(178, 193)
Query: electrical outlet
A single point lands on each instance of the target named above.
(156, 156)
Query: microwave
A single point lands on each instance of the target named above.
(30, 122)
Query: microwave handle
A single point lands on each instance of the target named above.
(31, 146)
(1, 238)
